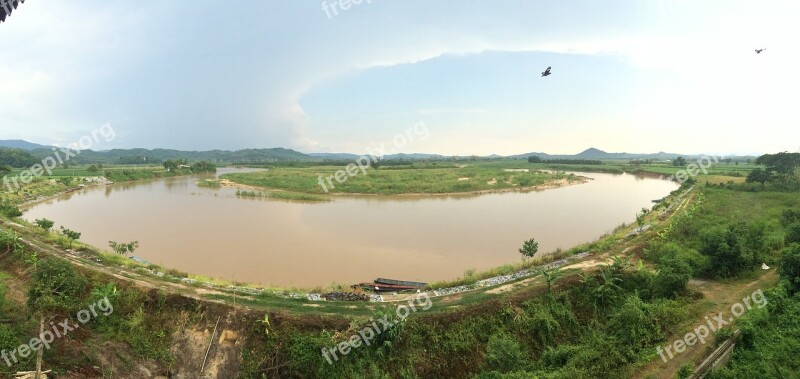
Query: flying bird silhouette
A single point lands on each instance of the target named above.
(546, 72)
(758, 51)
(7, 6)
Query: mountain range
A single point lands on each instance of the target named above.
(138, 155)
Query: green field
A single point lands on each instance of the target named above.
(414, 178)
(65, 179)
(436, 177)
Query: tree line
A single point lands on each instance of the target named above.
(780, 168)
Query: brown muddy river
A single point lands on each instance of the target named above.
(212, 232)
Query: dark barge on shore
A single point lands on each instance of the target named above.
(391, 285)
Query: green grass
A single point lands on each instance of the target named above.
(208, 183)
(389, 180)
(461, 177)
(298, 196)
(566, 334)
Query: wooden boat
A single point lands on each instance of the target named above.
(400, 282)
(404, 283)
(378, 287)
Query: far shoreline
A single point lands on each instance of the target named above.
(553, 184)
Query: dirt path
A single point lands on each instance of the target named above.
(720, 296)
(139, 280)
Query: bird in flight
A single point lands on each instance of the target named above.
(758, 51)
(546, 72)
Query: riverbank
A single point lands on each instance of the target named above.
(94, 256)
(289, 195)
(298, 323)
(417, 179)
(321, 233)
(46, 188)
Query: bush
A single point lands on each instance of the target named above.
(56, 287)
(734, 249)
(673, 275)
(698, 263)
(790, 216)
(8, 339)
(503, 354)
(792, 234)
(790, 266)
(685, 371)
(634, 325)
(9, 210)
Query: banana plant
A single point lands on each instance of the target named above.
(265, 321)
(16, 241)
(33, 260)
(108, 291)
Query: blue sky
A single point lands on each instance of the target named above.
(635, 76)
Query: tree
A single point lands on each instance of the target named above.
(170, 165)
(504, 354)
(45, 224)
(71, 235)
(783, 165)
(534, 159)
(608, 287)
(640, 216)
(790, 216)
(56, 289)
(619, 264)
(5, 169)
(673, 275)
(16, 158)
(733, 249)
(550, 276)
(92, 168)
(203, 166)
(679, 162)
(758, 176)
(634, 325)
(529, 248)
(792, 234)
(789, 268)
(8, 209)
(123, 248)
(33, 260)
(107, 291)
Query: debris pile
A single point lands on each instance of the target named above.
(345, 296)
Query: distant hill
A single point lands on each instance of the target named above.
(413, 156)
(159, 155)
(15, 157)
(597, 154)
(21, 144)
(334, 156)
(278, 154)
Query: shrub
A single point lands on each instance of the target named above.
(790, 216)
(634, 325)
(790, 266)
(792, 234)
(503, 354)
(733, 249)
(56, 287)
(9, 210)
(673, 275)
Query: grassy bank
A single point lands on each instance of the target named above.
(283, 195)
(605, 322)
(413, 178)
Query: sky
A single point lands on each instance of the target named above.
(333, 76)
